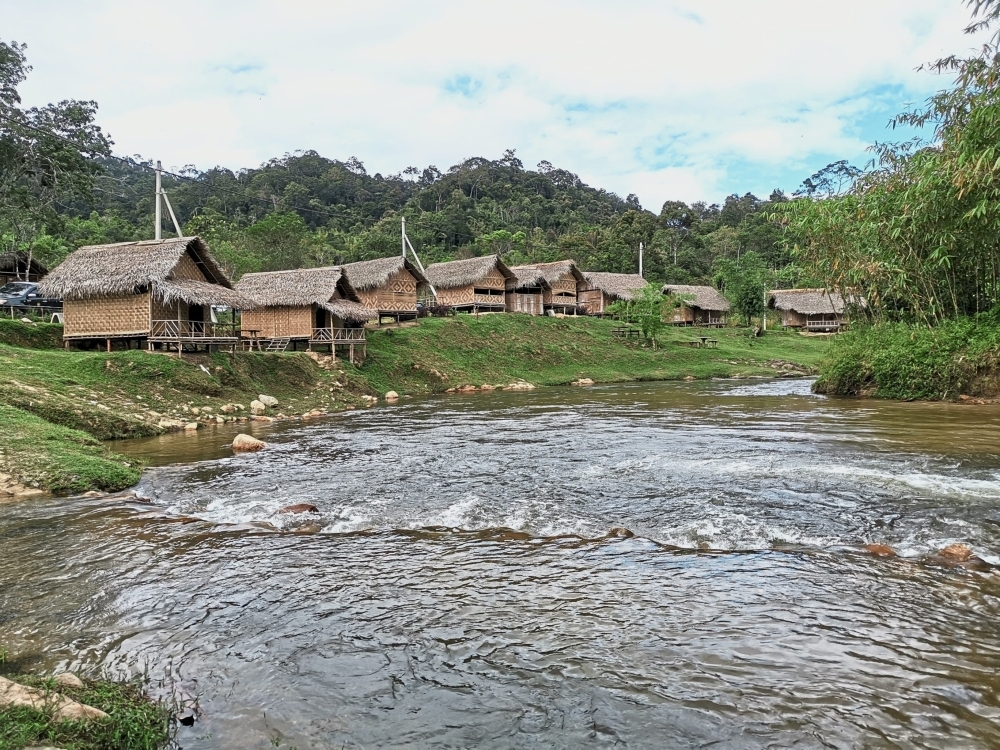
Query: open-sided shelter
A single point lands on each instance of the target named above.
(557, 283)
(699, 305)
(20, 267)
(317, 306)
(809, 309)
(388, 286)
(600, 290)
(474, 284)
(162, 291)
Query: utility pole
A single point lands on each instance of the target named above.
(161, 195)
(407, 243)
(640, 259)
(404, 236)
(159, 213)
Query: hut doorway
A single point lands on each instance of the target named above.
(321, 318)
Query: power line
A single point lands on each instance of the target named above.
(208, 186)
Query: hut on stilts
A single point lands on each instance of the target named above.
(809, 309)
(698, 306)
(474, 285)
(164, 293)
(316, 307)
(553, 285)
(600, 290)
(388, 286)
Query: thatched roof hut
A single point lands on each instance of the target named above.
(601, 289)
(20, 267)
(474, 284)
(558, 283)
(813, 309)
(125, 290)
(699, 305)
(326, 288)
(389, 286)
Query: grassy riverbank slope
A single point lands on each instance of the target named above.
(906, 361)
(56, 404)
(443, 353)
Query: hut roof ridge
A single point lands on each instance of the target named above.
(806, 301)
(703, 297)
(326, 287)
(455, 273)
(368, 274)
(623, 285)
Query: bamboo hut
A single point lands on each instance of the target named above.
(388, 286)
(164, 292)
(315, 306)
(599, 290)
(20, 267)
(809, 309)
(556, 283)
(475, 284)
(699, 306)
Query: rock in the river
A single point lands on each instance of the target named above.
(880, 550)
(64, 709)
(68, 679)
(244, 443)
(191, 427)
(956, 553)
(267, 400)
(257, 407)
(300, 508)
(392, 396)
(582, 381)
(621, 533)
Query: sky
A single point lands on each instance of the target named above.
(667, 99)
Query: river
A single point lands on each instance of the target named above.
(662, 565)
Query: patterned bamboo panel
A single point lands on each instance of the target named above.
(279, 322)
(186, 268)
(107, 316)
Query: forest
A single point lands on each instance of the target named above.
(63, 187)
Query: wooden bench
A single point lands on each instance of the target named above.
(626, 332)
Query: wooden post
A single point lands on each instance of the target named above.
(108, 344)
(158, 231)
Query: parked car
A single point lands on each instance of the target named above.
(25, 294)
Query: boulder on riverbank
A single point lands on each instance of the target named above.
(244, 443)
(14, 694)
(267, 400)
(392, 396)
(257, 407)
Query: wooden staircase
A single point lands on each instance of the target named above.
(277, 345)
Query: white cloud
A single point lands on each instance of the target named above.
(689, 100)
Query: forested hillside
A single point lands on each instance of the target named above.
(66, 188)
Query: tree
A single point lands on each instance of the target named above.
(745, 283)
(645, 310)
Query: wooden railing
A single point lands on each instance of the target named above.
(489, 299)
(830, 323)
(192, 329)
(339, 335)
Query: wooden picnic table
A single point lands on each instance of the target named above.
(253, 336)
(626, 332)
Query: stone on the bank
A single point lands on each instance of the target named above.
(63, 708)
(29, 321)
(392, 396)
(487, 387)
(582, 381)
(690, 378)
(267, 400)
(171, 424)
(68, 679)
(191, 427)
(244, 443)
(257, 407)
(520, 385)
(300, 508)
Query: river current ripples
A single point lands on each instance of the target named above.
(646, 566)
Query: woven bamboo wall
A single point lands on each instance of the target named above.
(397, 294)
(682, 314)
(279, 322)
(186, 268)
(792, 318)
(459, 295)
(562, 291)
(524, 303)
(107, 316)
(169, 311)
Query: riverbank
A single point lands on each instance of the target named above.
(50, 711)
(954, 360)
(58, 404)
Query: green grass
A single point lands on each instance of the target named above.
(37, 336)
(134, 721)
(443, 353)
(37, 453)
(908, 361)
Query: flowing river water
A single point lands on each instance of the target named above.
(667, 565)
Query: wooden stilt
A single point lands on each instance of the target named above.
(108, 344)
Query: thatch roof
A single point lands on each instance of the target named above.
(806, 301)
(538, 274)
(16, 264)
(621, 285)
(702, 297)
(464, 272)
(303, 287)
(127, 268)
(370, 274)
